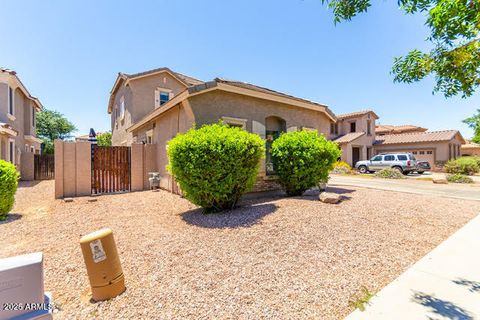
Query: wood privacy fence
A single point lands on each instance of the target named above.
(44, 166)
(82, 169)
(110, 169)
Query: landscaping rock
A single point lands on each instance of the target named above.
(440, 181)
(329, 197)
(92, 199)
(68, 199)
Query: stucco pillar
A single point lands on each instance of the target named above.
(150, 163)
(58, 169)
(27, 166)
(83, 160)
(136, 166)
(69, 169)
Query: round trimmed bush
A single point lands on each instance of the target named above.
(463, 165)
(215, 164)
(8, 186)
(303, 159)
(341, 167)
(390, 173)
(459, 178)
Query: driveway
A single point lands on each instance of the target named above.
(456, 191)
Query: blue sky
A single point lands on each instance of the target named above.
(68, 53)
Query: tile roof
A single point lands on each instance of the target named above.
(355, 114)
(470, 145)
(383, 128)
(349, 137)
(254, 87)
(431, 136)
(188, 80)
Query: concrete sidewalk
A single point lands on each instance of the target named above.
(451, 190)
(445, 284)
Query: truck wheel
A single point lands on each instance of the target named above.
(398, 169)
(362, 169)
(420, 172)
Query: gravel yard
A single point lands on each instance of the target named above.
(274, 258)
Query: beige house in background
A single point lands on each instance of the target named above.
(470, 149)
(436, 147)
(18, 108)
(355, 134)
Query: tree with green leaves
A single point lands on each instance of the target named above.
(104, 139)
(53, 125)
(474, 123)
(454, 59)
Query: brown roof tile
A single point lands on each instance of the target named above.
(383, 128)
(356, 114)
(349, 137)
(186, 79)
(430, 136)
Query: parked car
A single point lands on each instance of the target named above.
(423, 166)
(403, 162)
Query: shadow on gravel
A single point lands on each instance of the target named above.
(11, 217)
(244, 216)
(440, 307)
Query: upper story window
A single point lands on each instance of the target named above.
(33, 116)
(162, 96)
(369, 127)
(353, 126)
(334, 128)
(11, 104)
(122, 108)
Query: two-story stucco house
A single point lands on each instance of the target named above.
(153, 106)
(18, 110)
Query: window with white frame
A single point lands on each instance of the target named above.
(162, 96)
(149, 135)
(32, 149)
(122, 108)
(11, 151)
(26, 148)
(11, 101)
(33, 116)
(235, 122)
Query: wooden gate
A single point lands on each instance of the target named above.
(44, 166)
(110, 169)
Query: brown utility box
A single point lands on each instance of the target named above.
(103, 264)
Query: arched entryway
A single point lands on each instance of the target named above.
(274, 126)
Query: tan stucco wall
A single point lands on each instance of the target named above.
(27, 166)
(212, 106)
(72, 169)
(139, 97)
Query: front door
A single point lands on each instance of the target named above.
(355, 155)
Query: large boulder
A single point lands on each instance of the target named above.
(329, 197)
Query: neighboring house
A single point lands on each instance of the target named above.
(436, 147)
(153, 106)
(18, 110)
(355, 134)
(470, 149)
(383, 129)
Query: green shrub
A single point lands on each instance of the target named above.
(459, 178)
(8, 186)
(215, 164)
(389, 173)
(302, 159)
(341, 167)
(463, 165)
